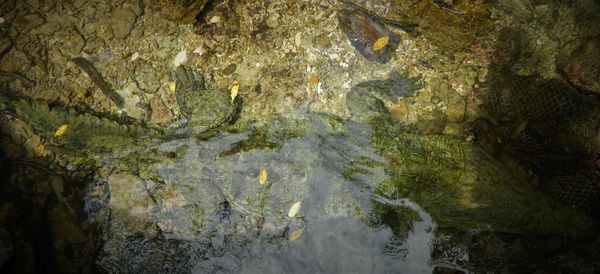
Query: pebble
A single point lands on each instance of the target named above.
(135, 56)
(180, 58)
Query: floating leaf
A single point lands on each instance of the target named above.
(381, 42)
(294, 209)
(39, 150)
(314, 79)
(296, 234)
(262, 176)
(172, 86)
(234, 90)
(61, 130)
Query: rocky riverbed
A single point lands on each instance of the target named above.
(299, 136)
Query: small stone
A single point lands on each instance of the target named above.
(456, 107)
(180, 58)
(123, 21)
(160, 113)
(229, 69)
(273, 20)
(134, 56)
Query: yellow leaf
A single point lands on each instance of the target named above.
(172, 86)
(314, 79)
(294, 209)
(262, 176)
(296, 234)
(61, 130)
(381, 42)
(39, 150)
(234, 90)
(215, 19)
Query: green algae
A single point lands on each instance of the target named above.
(463, 187)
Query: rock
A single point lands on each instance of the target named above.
(582, 68)
(204, 108)
(133, 103)
(364, 32)
(123, 20)
(129, 202)
(182, 11)
(69, 42)
(5, 45)
(273, 20)
(30, 22)
(160, 113)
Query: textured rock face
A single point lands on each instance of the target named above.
(204, 108)
(182, 11)
(582, 69)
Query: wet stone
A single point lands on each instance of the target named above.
(203, 108)
(363, 32)
(583, 67)
(122, 23)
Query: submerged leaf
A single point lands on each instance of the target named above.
(234, 90)
(294, 209)
(61, 130)
(296, 234)
(381, 42)
(262, 176)
(314, 79)
(172, 86)
(39, 150)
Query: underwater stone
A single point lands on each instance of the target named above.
(582, 68)
(123, 21)
(204, 108)
(182, 11)
(364, 31)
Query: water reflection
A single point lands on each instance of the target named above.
(342, 245)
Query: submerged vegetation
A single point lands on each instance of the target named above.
(399, 136)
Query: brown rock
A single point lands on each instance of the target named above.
(582, 69)
(5, 45)
(123, 21)
(182, 11)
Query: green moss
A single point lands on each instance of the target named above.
(86, 133)
(269, 135)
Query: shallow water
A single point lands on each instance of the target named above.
(417, 136)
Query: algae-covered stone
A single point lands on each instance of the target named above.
(182, 11)
(204, 108)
